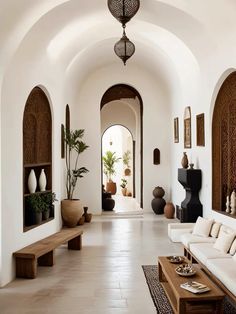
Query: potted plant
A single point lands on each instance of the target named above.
(71, 208)
(35, 206)
(49, 199)
(124, 186)
(126, 159)
(109, 161)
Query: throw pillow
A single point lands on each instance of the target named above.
(215, 229)
(233, 248)
(224, 241)
(202, 227)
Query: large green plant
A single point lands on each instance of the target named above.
(109, 161)
(74, 147)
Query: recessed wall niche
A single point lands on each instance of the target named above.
(156, 156)
(37, 148)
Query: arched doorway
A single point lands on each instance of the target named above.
(122, 105)
(223, 144)
(119, 140)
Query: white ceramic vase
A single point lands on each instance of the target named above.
(42, 181)
(32, 182)
(233, 203)
(227, 204)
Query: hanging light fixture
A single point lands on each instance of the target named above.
(124, 48)
(123, 10)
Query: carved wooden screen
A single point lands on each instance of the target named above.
(224, 143)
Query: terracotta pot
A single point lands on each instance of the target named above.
(124, 191)
(111, 187)
(158, 192)
(184, 161)
(81, 221)
(71, 211)
(87, 217)
(127, 172)
(169, 210)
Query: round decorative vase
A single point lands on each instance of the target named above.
(87, 217)
(42, 181)
(127, 172)
(158, 205)
(32, 182)
(111, 187)
(158, 192)
(169, 210)
(71, 211)
(108, 204)
(184, 161)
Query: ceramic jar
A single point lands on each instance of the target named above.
(184, 161)
(32, 182)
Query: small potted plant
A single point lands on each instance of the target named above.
(72, 209)
(124, 186)
(109, 161)
(126, 159)
(35, 206)
(49, 199)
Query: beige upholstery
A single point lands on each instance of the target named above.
(189, 238)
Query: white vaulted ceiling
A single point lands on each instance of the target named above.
(168, 34)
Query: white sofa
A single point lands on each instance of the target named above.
(217, 260)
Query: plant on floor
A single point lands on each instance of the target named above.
(109, 161)
(74, 146)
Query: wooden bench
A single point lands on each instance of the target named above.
(41, 252)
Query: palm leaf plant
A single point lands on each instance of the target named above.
(74, 147)
(109, 161)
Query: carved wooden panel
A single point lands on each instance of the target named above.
(37, 128)
(224, 143)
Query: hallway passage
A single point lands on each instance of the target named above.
(104, 278)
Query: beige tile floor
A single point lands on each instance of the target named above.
(105, 277)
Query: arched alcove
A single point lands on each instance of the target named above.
(120, 94)
(223, 144)
(156, 156)
(37, 145)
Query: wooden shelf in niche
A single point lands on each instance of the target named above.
(37, 144)
(224, 213)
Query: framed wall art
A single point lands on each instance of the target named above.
(176, 130)
(187, 128)
(200, 129)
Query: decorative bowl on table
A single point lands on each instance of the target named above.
(175, 259)
(185, 270)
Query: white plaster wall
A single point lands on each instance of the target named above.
(156, 125)
(22, 76)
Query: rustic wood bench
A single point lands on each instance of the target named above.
(41, 252)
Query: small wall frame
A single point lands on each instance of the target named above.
(187, 128)
(200, 129)
(176, 130)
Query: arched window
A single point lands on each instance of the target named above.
(224, 144)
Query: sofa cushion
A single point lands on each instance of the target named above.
(224, 241)
(233, 247)
(215, 229)
(175, 230)
(225, 270)
(204, 251)
(188, 238)
(202, 227)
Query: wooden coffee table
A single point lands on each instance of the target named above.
(183, 301)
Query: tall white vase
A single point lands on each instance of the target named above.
(32, 182)
(42, 181)
(233, 203)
